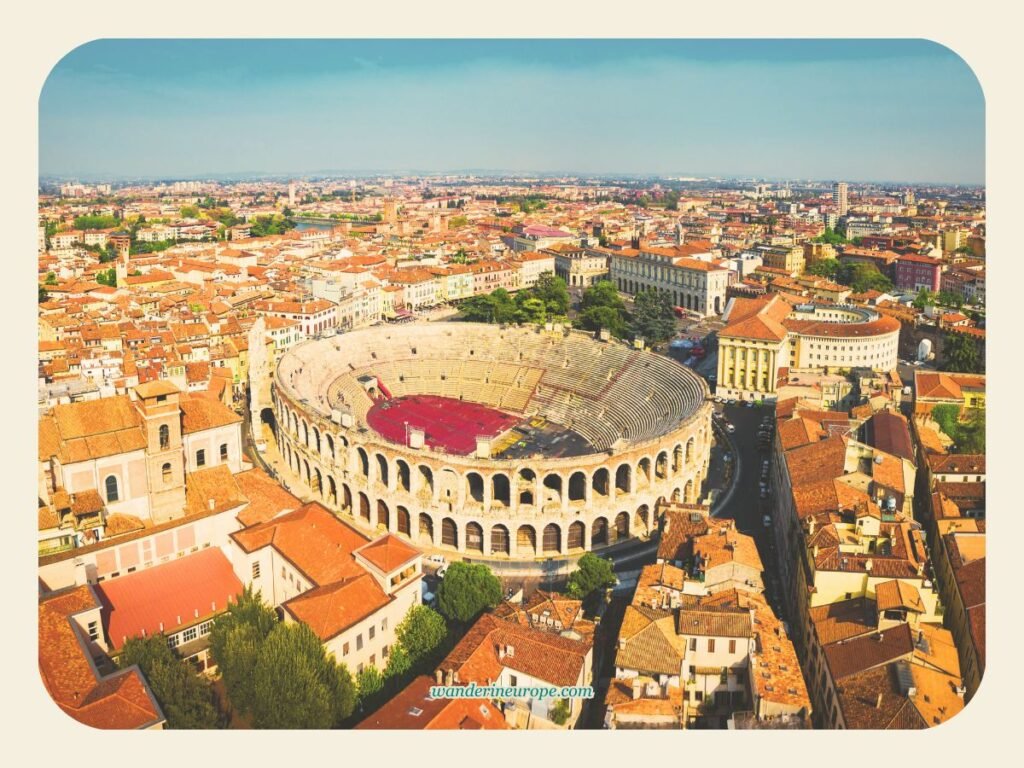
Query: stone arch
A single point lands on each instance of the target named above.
(448, 486)
(689, 450)
(364, 506)
(330, 446)
(643, 472)
(501, 489)
(499, 540)
(577, 536)
(688, 492)
(383, 514)
(474, 537)
(642, 522)
(600, 482)
(578, 486)
(308, 478)
(599, 532)
(526, 480)
(551, 539)
(316, 440)
(449, 533)
(403, 475)
(624, 478)
(346, 498)
(425, 530)
(526, 541)
(474, 487)
(404, 526)
(363, 461)
(553, 482)
(677, 494)
(317, 483)
(622, 526)
(677, 459)
(661, 466)
(382, 469)
(305, 433)
(426, 475)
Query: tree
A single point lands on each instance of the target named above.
(186, 698)
(602, 294)
(235, 642)
(467, 590)
(93, 221)
(108, 253)
(399, 663)
(592, 573)
(189, 212)
(421, 632)
(830, 236)
(559, 712)
(862, 277)
(925, 298)
(653, 316)
(107, 277)
(960, 354)
(552, 290)
(370, 682)
(43, 295)
(596, 318)
(949, 299)
(455, 222)
(824, 268)
(529, 309)
(51, 278)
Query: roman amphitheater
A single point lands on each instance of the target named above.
(510, 442)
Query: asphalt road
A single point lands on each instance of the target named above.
(745, 505)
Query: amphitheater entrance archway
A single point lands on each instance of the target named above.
(267, 417)
(622, 526)
(346, 498)
(364, 462)
(474, 538)
(577, 536)
(689, 450)
(688, 492)
(332, 491)
(599, 532)
(623, 476)
(600, 482)
(526, 541)
(643, 473)
(330, 446)
(676, 495)
(677, 459)
(403, 520)
(364, 507)
(449, 533)
(317, 483)
(475, 487)
(577, 486)
(499, 540)
(316, 440)
(551, 540)
(501, 490)
(553, 484)
(403, 475)
(426, 529)
(306, 475)
(383, 515)
(382, 469)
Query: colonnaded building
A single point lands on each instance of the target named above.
(765, 339)
(507, 441)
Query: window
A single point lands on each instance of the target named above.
(165, 437)
(201, 457)
(711, 645)
(384, 625)
(373, 632)
(373, 659)
(111, 486)
(189, 634)
(732, 646)
(344, 650)
(359, 668)
(698, 695)
(94, 630)
(173, 641)
(165, 471)
(256, 570)
(693, 643)
(384, 652)
(359, 642)
(513, 681)
(205, 628)
(223, 451)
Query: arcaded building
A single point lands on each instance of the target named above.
(511, 442)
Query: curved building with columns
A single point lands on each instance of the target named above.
(505, 442)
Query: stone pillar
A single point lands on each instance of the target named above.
(488, 492)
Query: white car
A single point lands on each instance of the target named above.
(439, 559)
(442, 571)
(730, 428)
(766, 521)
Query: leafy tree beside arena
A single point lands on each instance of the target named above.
(467, 590)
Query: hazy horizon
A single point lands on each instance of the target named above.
(863, 111)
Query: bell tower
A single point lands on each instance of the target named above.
(159, 405)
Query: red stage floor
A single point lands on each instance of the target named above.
(449, 424)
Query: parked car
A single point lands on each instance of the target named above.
(766, 521)
(764, 493)
(727, 457)
(442, 571)
(438, 559)
(730, 427)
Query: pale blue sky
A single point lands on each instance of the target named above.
(884, 110)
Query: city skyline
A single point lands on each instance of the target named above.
(857, 110)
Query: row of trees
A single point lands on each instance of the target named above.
(961, 354)
(547, 300)
(857, 275)
(653, 317)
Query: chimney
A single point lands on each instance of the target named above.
(637, 688)
(438, 676)
(211, 504)
(815, 551)
(878, 701)
(501, 651)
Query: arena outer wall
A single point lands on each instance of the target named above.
(489, 507)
